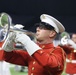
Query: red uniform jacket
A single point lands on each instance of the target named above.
(1, 43)
(47, 61)
(71, 60)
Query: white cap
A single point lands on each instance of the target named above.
(19, 26)
(53, 22)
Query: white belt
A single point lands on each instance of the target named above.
(69, 74)
(72, 61)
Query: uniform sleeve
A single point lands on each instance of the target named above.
(51, 59)
(18, 57)
(67, 49)
(1, 55)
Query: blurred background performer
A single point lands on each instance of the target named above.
(70, 49)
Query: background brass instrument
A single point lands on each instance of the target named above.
(65, 40)
(64, 37)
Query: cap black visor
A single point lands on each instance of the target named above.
(43, 25)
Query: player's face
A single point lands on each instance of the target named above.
(43, 34)
(74, 37)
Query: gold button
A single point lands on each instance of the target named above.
(33, 68)
(43, 46)
(34, 62)
(32, 74)
(41, 51)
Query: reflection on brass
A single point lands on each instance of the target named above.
(74, 50)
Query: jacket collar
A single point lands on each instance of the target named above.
(46, 46)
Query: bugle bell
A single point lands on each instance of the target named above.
(7, 26)
(5, 22)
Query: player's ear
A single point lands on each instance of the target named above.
(52, 33)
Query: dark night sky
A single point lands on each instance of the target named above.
(27, 12)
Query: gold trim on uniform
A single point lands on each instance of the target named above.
(71, 57)
(43, 46)
(34, 62)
